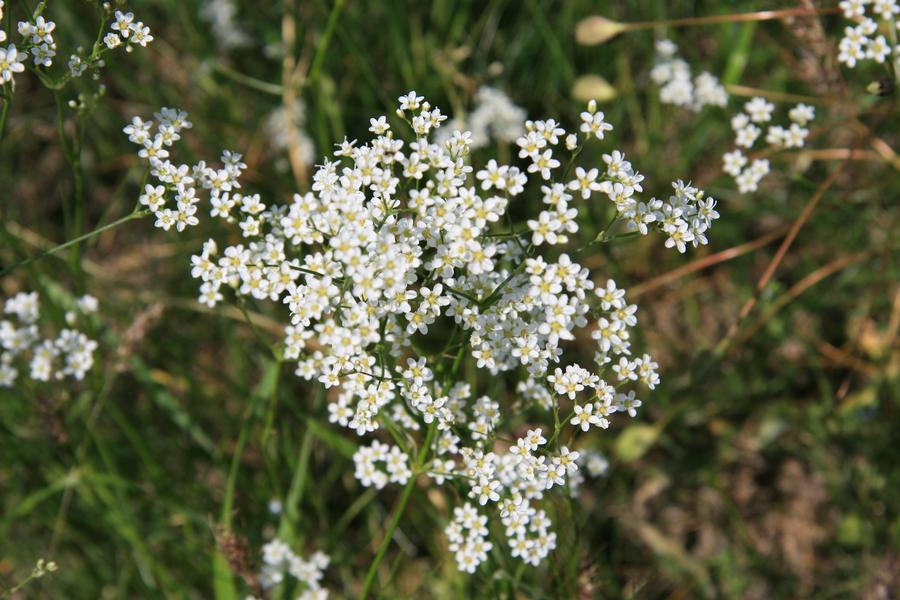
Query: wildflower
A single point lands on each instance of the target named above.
(397, 242)
(77, 66)
(286, 128)
(585, 182)
(802, 114)
(222, 17)
(11, 62)
(87, 304)
(593, 123)
(735, 163)
(43, 55)
(596, 464)
(140, 34)
(112, 41)
(494, 117)
(677, 87)
(69, 354)
(856, 45)
(585, 417)
(759, 110)
(279, 560)
(122, 23)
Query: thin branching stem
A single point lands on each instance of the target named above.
(138, 214)
(398, 512)
(762, 15)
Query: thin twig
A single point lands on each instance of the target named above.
(762, 15)
(743, 90)
(726, 342)
(798, 288)
(706, 262)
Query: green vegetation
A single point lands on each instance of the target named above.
(763, 466)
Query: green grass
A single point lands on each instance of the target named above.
(762, 467)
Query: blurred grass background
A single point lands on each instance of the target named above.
(766, 469)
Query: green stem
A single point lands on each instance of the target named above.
(559, 427)
(322, 46)
(398, 512)
(517, 578)
(138, 214)
(231, 484)
(462, 294)
(270, 411)
(74, 210)
(4, 112)
(19, 586)
(259, 334)
(487, 302)
(251, 82)
(291, 515)
(551, 41)
(61, 125)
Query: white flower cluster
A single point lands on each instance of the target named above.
(513, 480)
(179, 183)
(222, 18)
(285, 126)
(37, 34)
(11, 58)
(278, 559)
(125, 30)
(678, 87)
(396, 464)
(398, 265)
(467, 533)
(747, 128)
(860, 41)
(685, 217)
(495, 118)
(70, 354)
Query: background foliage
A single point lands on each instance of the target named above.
(764, 467)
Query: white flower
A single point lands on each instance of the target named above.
(746, 137)
(759, 110)
(585, 182)
(122, 23)
(11, 62)
(112, 41)
(878, 49)
(733, 162)
(410, 101)
(585, 417)
(594, 125)
(379, 126)
(43, 55)
(140, 34)
(87, 304)
(802, 114)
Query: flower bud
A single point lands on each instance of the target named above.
(594, 88)
(596, 30)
